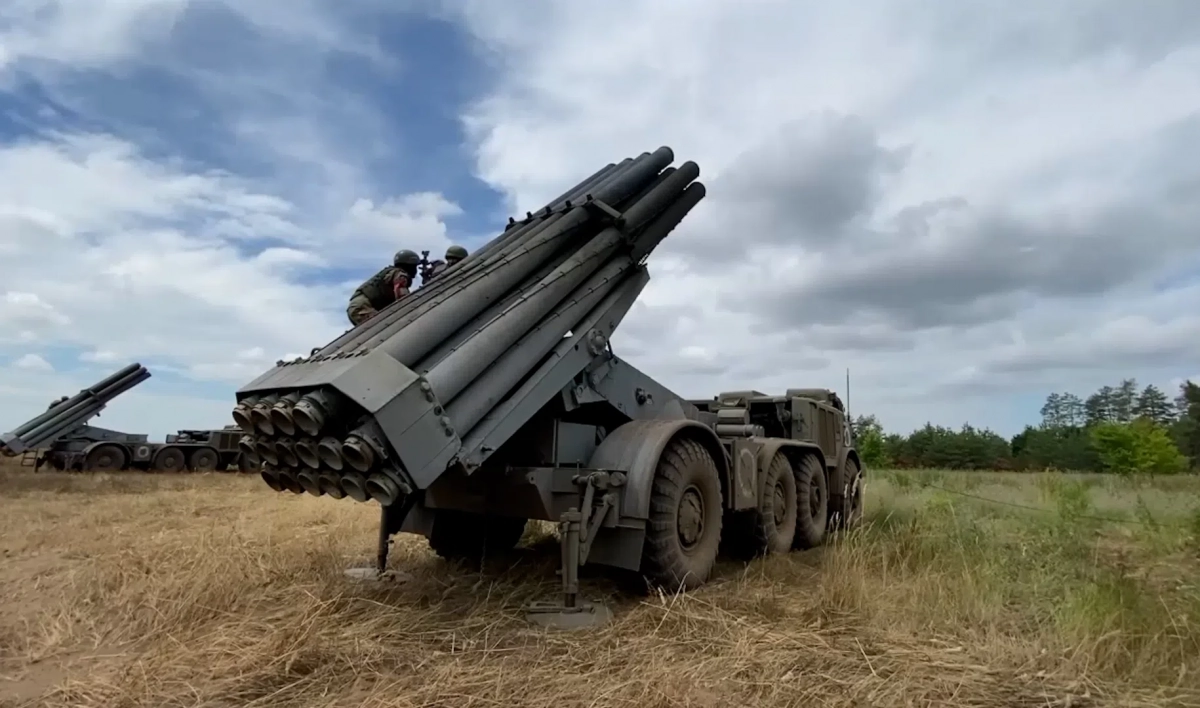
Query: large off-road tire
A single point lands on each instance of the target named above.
(105, 458)
(204, 459)
(683, 534)
(812, 503)
(245, 466)
(464, 536)
(169, 459)
(849, 516)
(770, 527)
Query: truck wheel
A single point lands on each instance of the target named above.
(852, 498)
(683, 534)
(245, 466)
(204, 459)
(771, 527)
(169, 459)
(465, 536)
(105, 458)
(812, 503)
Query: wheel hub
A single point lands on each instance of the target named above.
(690, 526)
(814, 500)
(779, 506)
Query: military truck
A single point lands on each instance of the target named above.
(492, 396)
(62, 439)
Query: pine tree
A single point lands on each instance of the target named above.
(1153, 404)
(1124, 398)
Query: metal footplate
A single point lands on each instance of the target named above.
(391, 519)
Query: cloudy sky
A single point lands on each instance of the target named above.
(969, 203)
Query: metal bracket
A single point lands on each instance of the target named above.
(591, 521)
(577, 530)
(614, 217)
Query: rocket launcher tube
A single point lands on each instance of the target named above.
(666, 221)
(103, 392)
(455, 372)
(487, 315)
(506, 418)
(395, 316)
(71, 413)
(518, 230)
(500, 376)
(422, 335)
(470, 406)
(546, 239)
(482, 394)
(52, 430)
(98, 390)
(574, 194)
(462, 365)
(67, 418)
(470, 265)
(511, 246)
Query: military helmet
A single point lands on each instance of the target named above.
(456, 253)
(406, 257)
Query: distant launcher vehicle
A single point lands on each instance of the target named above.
(61, 438)
(492, 396)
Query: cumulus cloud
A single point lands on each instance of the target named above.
(33, 362)
(207, 222)
(956, 203)
(967, 206)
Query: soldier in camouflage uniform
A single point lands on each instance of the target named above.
(454, 254)
(385, 287)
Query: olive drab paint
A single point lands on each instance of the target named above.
(491, 395)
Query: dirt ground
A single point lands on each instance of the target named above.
(211, 590)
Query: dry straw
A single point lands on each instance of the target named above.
(161, 591)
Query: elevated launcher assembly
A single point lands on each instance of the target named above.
(492, 396)
(71, 444)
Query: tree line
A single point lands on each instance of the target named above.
(1119, 429)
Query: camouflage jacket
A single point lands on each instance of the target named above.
(384, 288)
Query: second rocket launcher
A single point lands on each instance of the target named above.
(384, 409)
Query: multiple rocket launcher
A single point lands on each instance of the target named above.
(65, 415)
(442, 377)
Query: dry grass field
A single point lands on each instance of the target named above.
(210, 590)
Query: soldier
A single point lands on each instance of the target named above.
(385, 287)
(454, 254)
